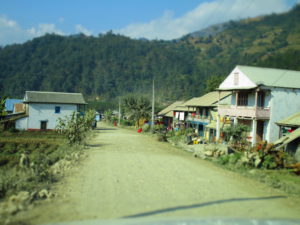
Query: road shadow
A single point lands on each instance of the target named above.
(105, 129)
(200, 205)
(94, 145)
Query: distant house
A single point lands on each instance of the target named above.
(44, 108)
(260, 97)
(167, 114)
(290, 135)
(205, 107)
(10, 105)
(289, 124)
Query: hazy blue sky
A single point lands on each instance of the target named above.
(21, 20)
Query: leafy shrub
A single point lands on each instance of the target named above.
(75, 127)
(146, 127)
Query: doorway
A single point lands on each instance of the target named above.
(259, 130)
(43, 125)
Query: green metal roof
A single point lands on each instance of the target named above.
(53, 97)
(283, 141)
(170, 108)
(208, 99)
(293, 120)
(272, 77)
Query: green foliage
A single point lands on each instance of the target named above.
(236, 133)
(2, 106)
(75, 127)
(146, 127)
(111, 65)
(213, 82)
(136, 108)
(109, 116)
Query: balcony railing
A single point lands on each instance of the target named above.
(198, 118)
(244, 111)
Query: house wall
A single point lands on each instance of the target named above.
(21, 124)
(46, 112)
(251, 99)
(284, 102)
(241, 82)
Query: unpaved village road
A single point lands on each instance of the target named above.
(127, 174)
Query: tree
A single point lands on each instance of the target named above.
(75, 127)
(213, 82)
(137, 108)
(2, 106)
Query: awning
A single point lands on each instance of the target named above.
(213, 125)
(283, 141)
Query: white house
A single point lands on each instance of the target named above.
(44, 108)
(260, 97)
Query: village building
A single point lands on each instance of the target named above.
(260, 98)
(43, 109)
(289, 124)
(290, 135)
(167, 114)
(204, 118)
(13, 105)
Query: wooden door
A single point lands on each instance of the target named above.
(259, 131)
(43, 125)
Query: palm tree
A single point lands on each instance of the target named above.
(136, 108)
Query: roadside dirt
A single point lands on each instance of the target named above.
(127, 174)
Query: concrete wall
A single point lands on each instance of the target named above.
(44, 112)
(284, 102)
(21, 124)
(243, 80)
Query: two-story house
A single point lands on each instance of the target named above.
(260, 97)
(203, 108)
(167, 114)
(44, 108)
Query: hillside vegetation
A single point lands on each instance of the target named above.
(111, 65)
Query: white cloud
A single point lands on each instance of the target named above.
(61, 19)
(81, 29)
(11, 32)
(43, 29)
(205, 14)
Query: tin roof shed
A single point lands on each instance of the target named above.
(54, 97)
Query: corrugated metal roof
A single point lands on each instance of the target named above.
(208, 99)
(183, 108)
(9, 104)
(53, 97)
(170, 108)
(272, 77)
(283, 141)
(293, 120)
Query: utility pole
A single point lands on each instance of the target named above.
(119, 119)
(153, 99)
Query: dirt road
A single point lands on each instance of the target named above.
(127, 174)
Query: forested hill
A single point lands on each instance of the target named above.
(111, 65)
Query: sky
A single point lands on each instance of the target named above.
(23, 20)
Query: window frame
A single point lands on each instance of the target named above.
(57, 109)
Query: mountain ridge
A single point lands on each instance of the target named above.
(113, 65)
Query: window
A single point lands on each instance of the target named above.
(236, 79)
(43, 125)
(242, 99)
(261, 99)
(57, 109)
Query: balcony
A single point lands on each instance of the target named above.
(198, 118)
(244, 111)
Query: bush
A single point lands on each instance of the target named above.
(75, 127)
(146, 127)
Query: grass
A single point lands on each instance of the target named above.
(43, 150)
(282, 179)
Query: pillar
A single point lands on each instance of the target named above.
(218, 128)
(235, 121)
(254, 130)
